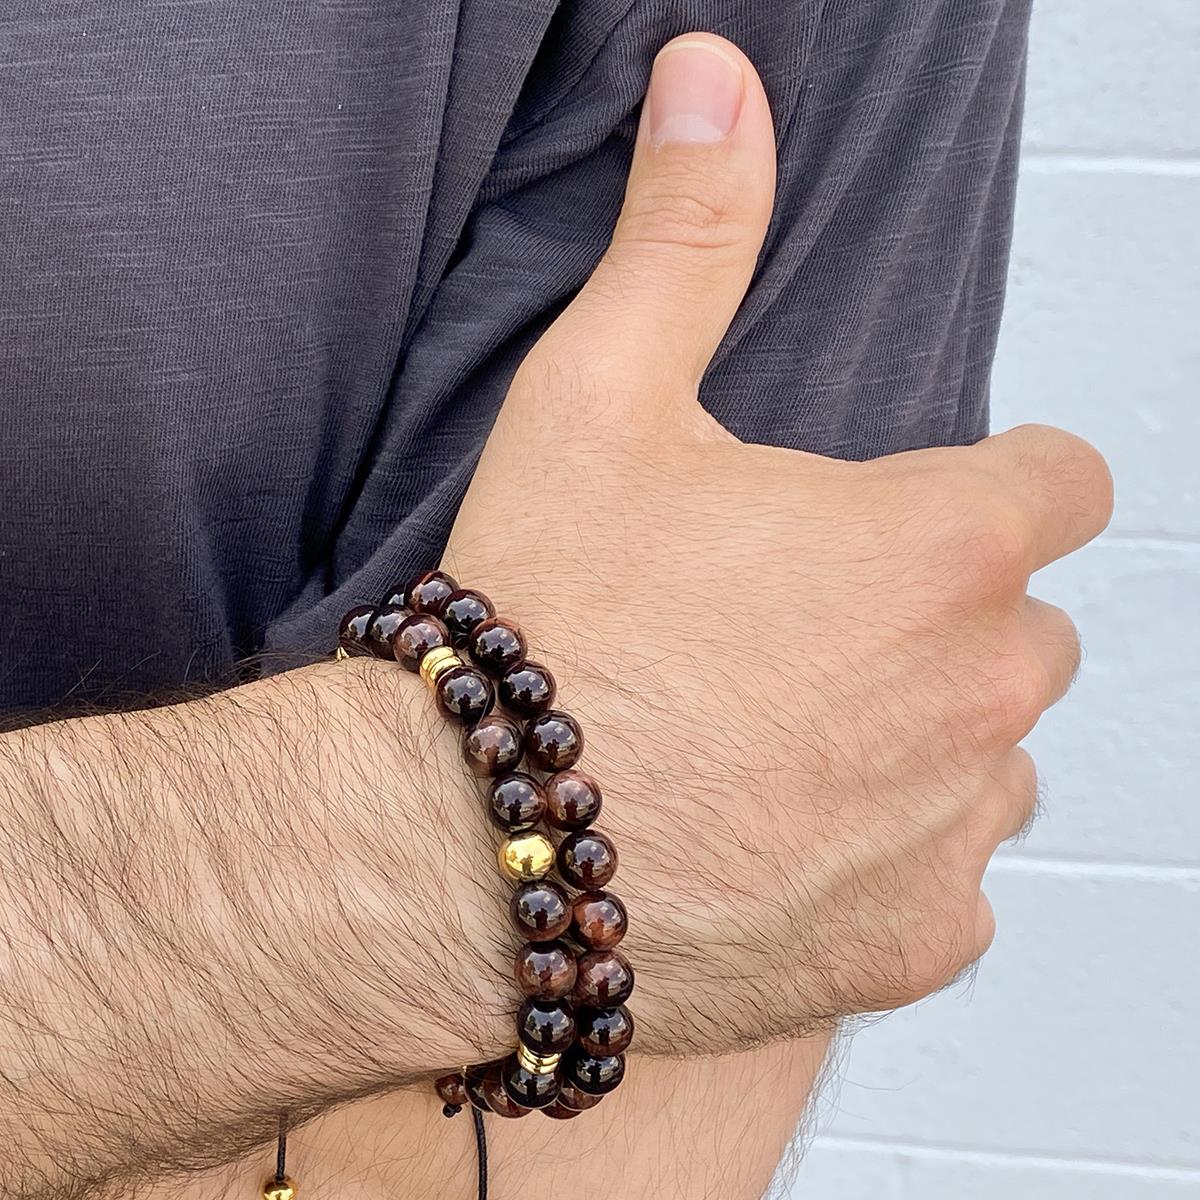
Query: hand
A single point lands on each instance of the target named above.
(803, 681)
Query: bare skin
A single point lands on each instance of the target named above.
(804, 684)
(699, 1127)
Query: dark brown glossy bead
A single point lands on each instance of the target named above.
(527, 689)
(559, 1111)
(497, 1097)
(553, 741)
(452, 1089)
(598, 920)
(605, 1031)
(382, 626)
(464, 609)
(573, 800)
(516, 803)
(496, 646)
(587, 859)
(429, 591)
(465, 694)
(397, 597)
(604, 979)
(595, 1075)
(545, 969)
(474, 1085)
(352, 629)
(415, 636)
(540, 910)
(526, 1088)
(546, 1026)
(571, 1097)
(493, 747)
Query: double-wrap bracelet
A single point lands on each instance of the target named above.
(573, 1028)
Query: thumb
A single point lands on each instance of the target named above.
(697, 205)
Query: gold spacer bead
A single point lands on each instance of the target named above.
(539, 1064)
(525, 857)
(278, 1189)
(437, 662)
(341, 654)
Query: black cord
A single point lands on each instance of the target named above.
(481, 1146)
(281, 1149)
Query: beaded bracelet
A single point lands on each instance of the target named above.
(573, 1028)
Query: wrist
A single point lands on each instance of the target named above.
(417, 920)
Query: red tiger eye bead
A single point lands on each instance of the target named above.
(553, 740)
(429, 591)
(595, 1075)
(545, 969)
(464, 694)
(540, 910)
(587, 859)
(383, 625)
(463, 611)
(573, 800)
(492, 747)
(527, 1088)
(415, 636)
(546, 1026)
(516, 803)
(604, 979)
(527, 689)
(497, 1097)
(598, 920)
(452, 1089)
(605, 1031)
(352, 629)
(496, 646)
(570, 1096)
(473, 1081)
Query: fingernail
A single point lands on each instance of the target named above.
(695, 94)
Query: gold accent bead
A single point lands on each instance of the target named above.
(341, 654)
(278, 1189)
(525, 857)
(437, 662)
(539, 1064)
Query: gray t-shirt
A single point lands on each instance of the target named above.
(266, 267)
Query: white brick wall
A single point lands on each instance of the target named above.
(1070, 1068)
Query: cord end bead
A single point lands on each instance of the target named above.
(278, 1189)
(451, 1110)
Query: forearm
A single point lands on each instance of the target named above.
(690, 1129)
(210, 912)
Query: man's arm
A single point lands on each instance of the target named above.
(217, 909)
(803, 684)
